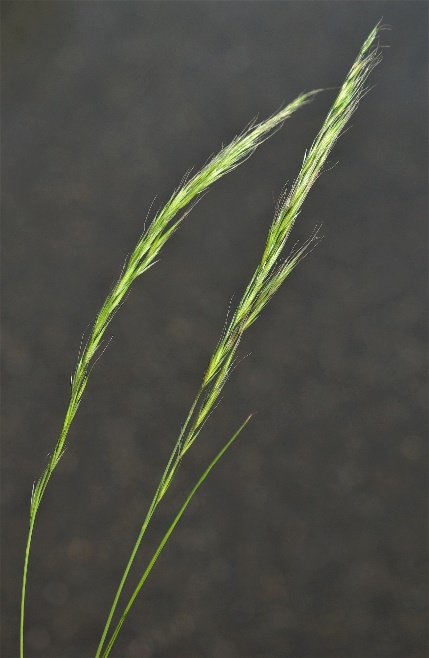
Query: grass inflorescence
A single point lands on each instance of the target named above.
(144, 256)
(270, 273)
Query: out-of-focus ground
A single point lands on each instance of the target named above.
(309, 539)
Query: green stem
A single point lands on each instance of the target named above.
(165, 539)
(24, 585)
(125, 575)
(162, 487)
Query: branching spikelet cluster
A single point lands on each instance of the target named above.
(144, 255)
(271, 271)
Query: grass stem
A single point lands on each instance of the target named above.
(24, 586)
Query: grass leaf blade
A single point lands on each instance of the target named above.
(167, 535)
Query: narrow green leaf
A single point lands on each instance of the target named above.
(167, 536)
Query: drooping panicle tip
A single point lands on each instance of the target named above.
(371, 47)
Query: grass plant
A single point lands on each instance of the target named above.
(269, 275)
(144, 256)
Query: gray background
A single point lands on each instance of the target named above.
(309, 539)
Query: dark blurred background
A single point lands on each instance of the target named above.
(309, 538)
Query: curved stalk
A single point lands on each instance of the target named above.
(24, 586)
